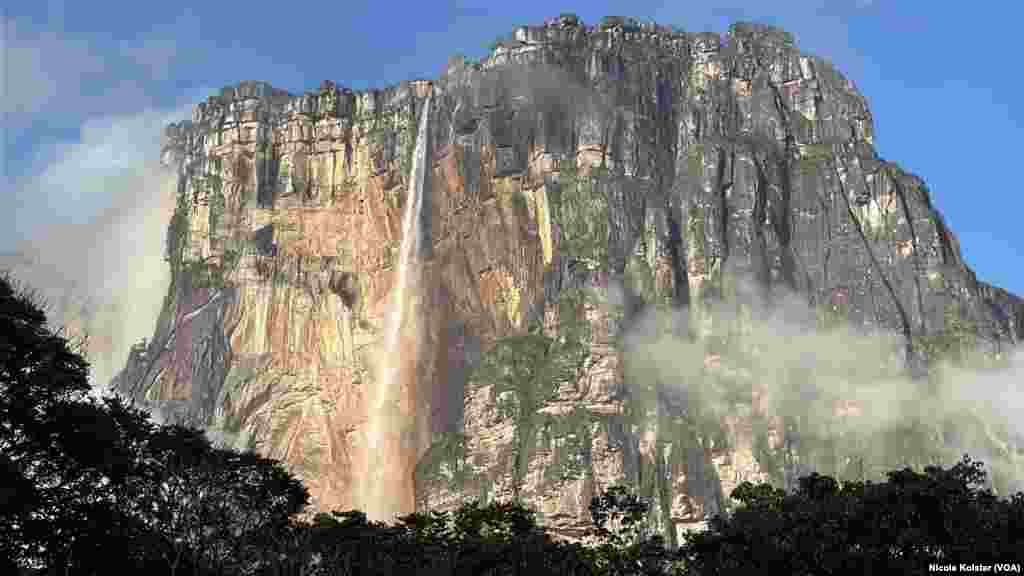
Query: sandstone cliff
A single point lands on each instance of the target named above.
(650, 168)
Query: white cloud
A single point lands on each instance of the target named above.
(158, 52)
(804, 373)
(60, 77)
(39, 66)
(90, 212)
(97, 217)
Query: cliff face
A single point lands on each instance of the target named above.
(707, 163)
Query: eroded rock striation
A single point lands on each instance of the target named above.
(707, 159)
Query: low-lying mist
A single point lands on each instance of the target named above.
(841, 393)
(90, 235)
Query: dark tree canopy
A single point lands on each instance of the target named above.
(92, 485)
(899, 526)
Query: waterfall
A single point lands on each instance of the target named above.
(390, 453)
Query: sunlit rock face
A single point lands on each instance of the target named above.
(718, 158)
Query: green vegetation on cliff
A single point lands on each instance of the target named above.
(178, 233)
(446, 459)
(570, 437)
(527, 368)
(580, 207)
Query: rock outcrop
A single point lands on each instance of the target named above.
(707, 164)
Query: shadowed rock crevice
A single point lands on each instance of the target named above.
(917, 250)
(907, 329)
(344, 285)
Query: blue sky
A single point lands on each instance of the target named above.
(87, 86)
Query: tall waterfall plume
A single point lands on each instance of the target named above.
(387, 484)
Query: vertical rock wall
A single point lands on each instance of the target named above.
(713, 159)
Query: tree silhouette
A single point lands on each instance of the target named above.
(92, 486)
(624, 546)
(210, 506)
(899, 526)
(41, 380)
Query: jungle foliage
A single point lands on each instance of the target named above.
(580, 207)
(526, 370)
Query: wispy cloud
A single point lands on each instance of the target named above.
(92, 224)
(51, 75)
(52, 80)
(809, 375)
(85, 215)
(39, 66)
